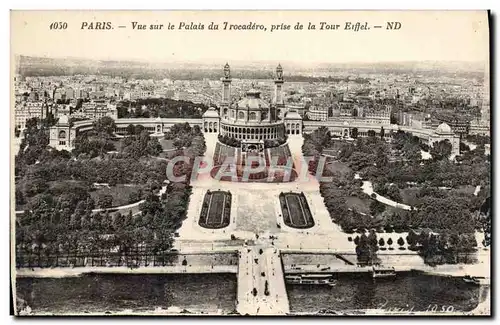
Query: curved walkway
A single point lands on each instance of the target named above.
(117, 208)
(368, 189)
(121, 207)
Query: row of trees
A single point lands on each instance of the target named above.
(434, 248)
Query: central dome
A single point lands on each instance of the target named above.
(253, 101)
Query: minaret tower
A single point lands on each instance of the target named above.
(278, 92)
(226, 89)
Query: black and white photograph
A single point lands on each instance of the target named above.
(250, 163)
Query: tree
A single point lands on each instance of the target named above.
(371, 133)
(105, 201)
(412, 239)
(104, 125)
(354, 133)
(376, 207)
(381, 242)
(401, 241)
(130, 129)
(19, 197)
(393, 192)
(441, 150)
(364, 250)
(372, 245)
(389, 241)
(135, 196)
(464, 147)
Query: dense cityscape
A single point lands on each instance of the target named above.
(405, 146)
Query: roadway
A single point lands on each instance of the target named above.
(260, 267)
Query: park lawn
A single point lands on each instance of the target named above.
(120, 193)
(360, 205)
(354, 202)
(64, 182)
(467, 189)
(409, 195)
(330, 152)
(339, 167)
(215, 217)
(118, 144)
(336, 145)
(167, 144)
(389, 210)
(296, 216)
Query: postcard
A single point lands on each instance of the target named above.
(250, 163)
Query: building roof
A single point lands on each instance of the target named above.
(253, 101)
(443, 128)
(211, 112)
(292, 115)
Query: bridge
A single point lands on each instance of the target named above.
(261, 284)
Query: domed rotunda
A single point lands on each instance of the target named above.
(252, 119)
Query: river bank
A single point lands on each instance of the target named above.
(78, 271)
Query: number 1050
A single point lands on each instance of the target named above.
(435, 308)
(58, 25)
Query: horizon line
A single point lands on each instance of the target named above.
(239, 61)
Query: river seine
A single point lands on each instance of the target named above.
(217, 293)
(139, 293)
(407, 292)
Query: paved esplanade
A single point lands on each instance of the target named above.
(258, 266)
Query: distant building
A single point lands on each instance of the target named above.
(62, 136)
(28, 110)
(349, 111)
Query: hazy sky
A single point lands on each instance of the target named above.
(424, 35)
